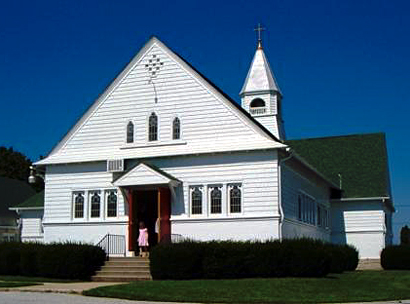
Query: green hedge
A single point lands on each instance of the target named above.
(57, 260)
(228, 259)
(396, 257)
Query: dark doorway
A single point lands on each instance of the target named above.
(145, 210)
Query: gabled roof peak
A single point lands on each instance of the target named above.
(260, 76)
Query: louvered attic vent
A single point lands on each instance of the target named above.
(115, 165)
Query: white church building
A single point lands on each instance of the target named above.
(165, 146)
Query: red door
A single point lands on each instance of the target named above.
(164, 213)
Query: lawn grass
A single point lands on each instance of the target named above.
(16, 284)
(347, 287)
(33, 279)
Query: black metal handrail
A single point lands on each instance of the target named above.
(113, 244)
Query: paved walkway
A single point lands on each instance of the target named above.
(63, 293)
(13, 297)
(77, 287)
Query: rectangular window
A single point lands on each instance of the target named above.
(319, 216)
(78, 205)
(300, 207)
(307, 209)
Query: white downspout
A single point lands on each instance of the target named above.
(281, 213)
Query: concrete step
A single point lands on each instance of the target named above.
(120, 279)
(119, 273)
(128, 259)
(124, 269)
(369, 264)
(127, 263)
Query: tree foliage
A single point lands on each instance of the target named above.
(405, 235)
(16, 165)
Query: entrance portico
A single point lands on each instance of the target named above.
(148, 191)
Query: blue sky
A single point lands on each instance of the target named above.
(343, 66)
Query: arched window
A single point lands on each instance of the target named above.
(216, 200)
(257, 103)
(79, 205)
(95, 205)
(235, 199)
(112, 203)
(153, 127)
(196, 201)
(176, 128)
(130, 132)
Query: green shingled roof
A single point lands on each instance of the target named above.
(360, 159)
(37, 200)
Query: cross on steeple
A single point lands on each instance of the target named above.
(259, 29)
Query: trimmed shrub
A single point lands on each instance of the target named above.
(342, 257)
(179, 261)
(228, 259)
(65, 261)
(396, 257)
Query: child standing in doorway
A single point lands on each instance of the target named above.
(143, 240)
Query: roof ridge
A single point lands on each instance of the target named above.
(338, 136)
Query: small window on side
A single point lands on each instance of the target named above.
(130, 132)
(176, 128)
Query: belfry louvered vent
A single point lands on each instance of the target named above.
(115, 165)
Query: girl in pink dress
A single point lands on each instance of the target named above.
(143, 240)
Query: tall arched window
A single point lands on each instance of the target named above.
(216, 200)
(176, 128)
(153, 127)
(112, 203)
(95, 205)
(235, 199)
(130, 132)
(79, 205)
(196, 200)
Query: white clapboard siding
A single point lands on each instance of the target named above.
(62, 180)
(360, 223)
(31, 224)
(209, 123)
(251, 169)
(356, 216)
(292, 183)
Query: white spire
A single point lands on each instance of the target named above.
(260, 77)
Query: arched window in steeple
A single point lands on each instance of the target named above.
(153, 127)
(176, 128)
(130, 132)
(257, 103)
(257, 106)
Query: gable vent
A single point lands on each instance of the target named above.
(115, 165)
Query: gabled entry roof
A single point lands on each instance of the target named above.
(144, 174)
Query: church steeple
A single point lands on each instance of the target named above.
(260, 93)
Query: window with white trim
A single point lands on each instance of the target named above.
(111, 196)
(95, 204)
(153, 127)
(196, 200)
(78, 205)
(176, 128)
(130, 132)
(215, 199)
(235, 198)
